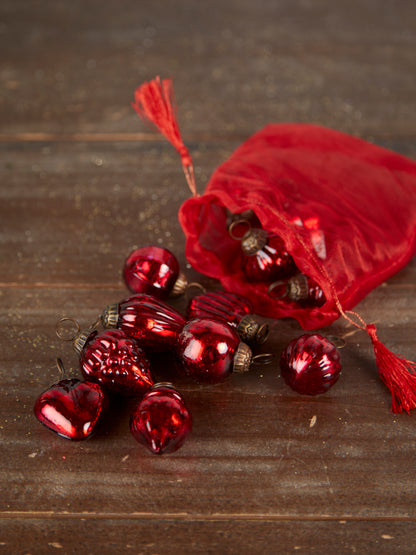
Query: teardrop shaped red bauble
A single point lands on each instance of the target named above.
(205, 349)
(310, 364)
(152, 323)
(71, 408)
(152, 270)
(161, 420)
(115, 361)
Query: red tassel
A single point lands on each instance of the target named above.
(398, 373)
(154, 101)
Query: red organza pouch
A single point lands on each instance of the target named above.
(345, 209)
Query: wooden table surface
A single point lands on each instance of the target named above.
(83, 181)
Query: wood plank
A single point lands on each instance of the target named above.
(252, 449)
(71, 213)
(166, 535)
(74, 67)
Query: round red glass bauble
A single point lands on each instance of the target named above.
(152, 270)
(269, 263)
(310, 364)
(205, 349)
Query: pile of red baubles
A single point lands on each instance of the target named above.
(211, 342)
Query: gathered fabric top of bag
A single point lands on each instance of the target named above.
(345, 208)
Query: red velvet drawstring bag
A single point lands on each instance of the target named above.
(345, 209)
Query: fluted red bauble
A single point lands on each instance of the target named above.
(310, 364)
(205, 349)
(114, 360)
(151, 322)
(71, 408)
(220, 305)
(152, 270)
(161, 420)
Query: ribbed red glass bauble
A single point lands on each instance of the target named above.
(206, 348)
(235, 310)
(220, 305)
(71, 408)
(151, 322)
(265, 257)
(114, 360)
(153, 270)
(310, 364)
(161, 420)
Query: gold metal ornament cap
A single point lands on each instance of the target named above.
(109, 316)
(80, 340)
(254, 240)
(242, 358)
(251, 331)
(297, 288)
(180, 285)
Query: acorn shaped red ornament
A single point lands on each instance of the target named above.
(161, 420)
(114, 361)
(71, 408)
(310, 364)
(210, 350)
(151, 322)
(233, 309)
(155, 271)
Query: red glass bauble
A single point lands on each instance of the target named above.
(71, 408)
(301, 289)
(310, 364)
(161, 420)
(115, 361)
(220, 305)
(151, 322)
(315, 296)
(152, 270)
(231, 308)
(205, 349)
(265, 258)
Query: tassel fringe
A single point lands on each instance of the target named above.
(154, 102)
(398, 373)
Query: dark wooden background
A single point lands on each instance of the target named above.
(83, 181)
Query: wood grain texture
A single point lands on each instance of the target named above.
(83, 181)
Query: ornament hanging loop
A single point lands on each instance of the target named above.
(338, 341)
(262, 359)
(234, 226)
(194, 285)
(275, 287)
(61, 367)
(63, 332)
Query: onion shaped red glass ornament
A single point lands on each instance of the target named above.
(310, 364)
(300, 289)
(151, 322)
(71, 408)
(234, 309)
(154, 270)
(210, 350)
(113, 360)
(161, 421)
(264, 256)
